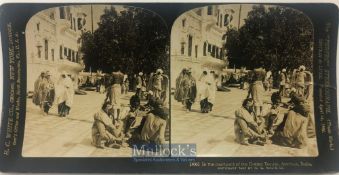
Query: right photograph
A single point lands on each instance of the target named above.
(242, 81)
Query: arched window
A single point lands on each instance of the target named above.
(62, 12)
(205, 47)
(52, 54)
(183, 23)
(182, 49)
(221, 55)
(196, 51)
(209, 10)
(74, 27)
(218, 17)
(213, 51)
(79, 23)
(46, 49)
(71, 19)
(226, 20)
(190, 41)
(220, 23)
(60, 52)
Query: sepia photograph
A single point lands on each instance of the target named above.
(97, 81)
(169, 87)
(242, 81)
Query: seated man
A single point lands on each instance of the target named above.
(246, 128)
(292, 131)
(136, 110)
(154, 125)
(276, 113)
(103, 129)
(151, 99)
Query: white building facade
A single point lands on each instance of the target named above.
(53, 43)
(198, 38)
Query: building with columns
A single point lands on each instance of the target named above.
(53, 43)
(198, 38)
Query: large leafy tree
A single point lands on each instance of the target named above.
(130, 40)
(273, 38)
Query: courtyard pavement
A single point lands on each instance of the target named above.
(52, 136)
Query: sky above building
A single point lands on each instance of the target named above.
(98, 10)
(239, 16)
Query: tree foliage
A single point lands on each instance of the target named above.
(273, 38)
(130, 40)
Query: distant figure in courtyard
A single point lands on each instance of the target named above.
(300, 81)
(309, 86)
(157, 83)
(212, 90)
(282, 82)
(268, 81)
(114, 93)
(206, 91)
(189, 89)
(126, 83)
(65, 94)
(36, 93)
(256, 90)
(139, 84)
(178, 94)
(46, 88)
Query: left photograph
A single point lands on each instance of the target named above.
(97, 81)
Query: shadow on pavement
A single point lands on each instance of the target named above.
(226, 117)
(81, 120)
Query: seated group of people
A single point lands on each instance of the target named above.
(285, 124)
(142, 124)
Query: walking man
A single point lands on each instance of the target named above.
(282, 78)
(139, 84)
(300, 81)
(157, 83)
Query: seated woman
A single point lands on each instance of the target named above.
(246, 129)
(104, 132)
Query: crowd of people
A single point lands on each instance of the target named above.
(117, 125)
(288, 124)
(46, 92)
(257, 121)
(140, 83)
(285, 124)
(299, 80)
(188, 89)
